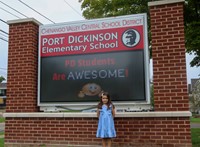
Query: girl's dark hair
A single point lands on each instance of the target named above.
(109, 100)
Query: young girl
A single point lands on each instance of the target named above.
(106, 113)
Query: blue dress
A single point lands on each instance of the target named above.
(106, 127)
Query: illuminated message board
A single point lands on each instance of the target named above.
(78, 60)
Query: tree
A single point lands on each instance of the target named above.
(2, 79)
(192, 27)
(195, 98)
(107, 8)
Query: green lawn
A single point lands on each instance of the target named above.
(2, 119)
(195, 132)
(1, 142)
(195, 137)
(195, 120)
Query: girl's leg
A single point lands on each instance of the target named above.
(109, 142)
(104, 142)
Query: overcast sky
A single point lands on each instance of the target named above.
(57, 11)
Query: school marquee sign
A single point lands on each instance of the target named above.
(78, 60)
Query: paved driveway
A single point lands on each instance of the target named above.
(2, 127)
(195, 125)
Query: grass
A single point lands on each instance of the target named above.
(195, 132)
(195, 120)
(1, 133)
(1, 142)
(195, 137)
(2, 119)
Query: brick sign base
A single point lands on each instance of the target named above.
(168, 126)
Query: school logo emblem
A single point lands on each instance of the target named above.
(130, 38)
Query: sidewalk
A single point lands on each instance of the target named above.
(195, 125)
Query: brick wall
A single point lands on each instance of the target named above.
(22, 67)
(170, 90)
(168, 53)
(131, 132)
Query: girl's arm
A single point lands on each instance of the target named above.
(113, 112)
(98, 113)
